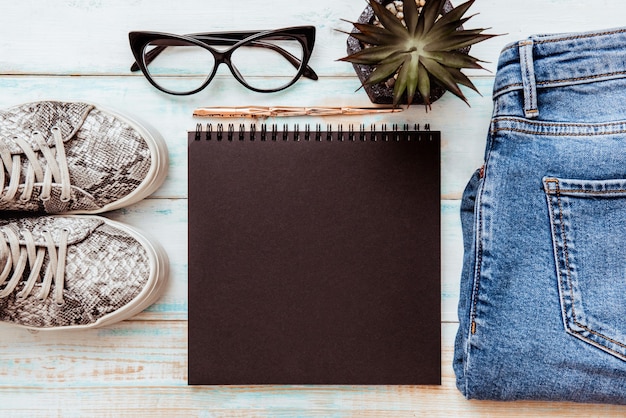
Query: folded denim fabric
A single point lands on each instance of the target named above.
(542, 309)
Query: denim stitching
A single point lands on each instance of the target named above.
(560, 81)
(539, 40)
(479, 261)
(566, 253)
(590, 192)
(523, 131)
(560, 124)
(580, 36)
(574, 318)
(565, 125)
(587, 77)
(560, 133)
(554, 233)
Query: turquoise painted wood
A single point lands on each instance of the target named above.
(78, 50)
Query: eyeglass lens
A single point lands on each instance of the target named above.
(265, 63)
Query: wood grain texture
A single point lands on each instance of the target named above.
(78, 50)
(79, 37)
(139, 368)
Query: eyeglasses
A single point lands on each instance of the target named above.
(263, 61)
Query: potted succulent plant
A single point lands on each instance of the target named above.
(421, 51)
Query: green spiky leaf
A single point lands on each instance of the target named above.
(388, 20)
(373, 55)
(462, 79)
(411, 16)
(431, 11)
(423, 84)
(456, 14)
(431, 47)
(412, 63)
(456, 41)
(455, 59)
(384, 70)
(369, 38)
(443, 76)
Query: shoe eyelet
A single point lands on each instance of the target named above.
(65, 199)
(44, 198)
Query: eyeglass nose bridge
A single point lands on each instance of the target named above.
(224, 57)
(220, 57)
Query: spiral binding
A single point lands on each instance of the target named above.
(274, 132)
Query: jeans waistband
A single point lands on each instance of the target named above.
(548, 61)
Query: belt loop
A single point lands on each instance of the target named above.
(528, 78)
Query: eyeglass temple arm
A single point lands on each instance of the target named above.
(216, 40)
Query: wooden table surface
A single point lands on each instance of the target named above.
(78, 50)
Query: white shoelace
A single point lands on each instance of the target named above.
(56, 168)
(18, 255)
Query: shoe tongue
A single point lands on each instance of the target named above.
(79, 228)
(25, 119)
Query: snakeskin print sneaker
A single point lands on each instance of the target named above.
(75, 272)
(60, 157)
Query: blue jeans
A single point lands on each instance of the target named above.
(542, 308)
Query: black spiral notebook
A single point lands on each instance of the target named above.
(314, 255)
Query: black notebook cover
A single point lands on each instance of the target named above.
(314, 258)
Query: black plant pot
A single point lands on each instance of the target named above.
(382, 93)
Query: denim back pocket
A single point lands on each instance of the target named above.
(588, 221)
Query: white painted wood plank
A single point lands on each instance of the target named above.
(451, 259)
(90, 37)
(141, 353)
(139, 369)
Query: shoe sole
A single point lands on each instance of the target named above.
(159, 157)
(159, 274)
